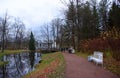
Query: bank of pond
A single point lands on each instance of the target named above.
(31, 65)
(18, 65)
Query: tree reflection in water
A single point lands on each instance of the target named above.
(19, 64)
(31, 56)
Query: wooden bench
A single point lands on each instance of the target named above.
(97, 58)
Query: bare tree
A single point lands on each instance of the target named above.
(0, 31)
(4, 23)
(103, 13)
(18, 31)
(4, 30)
(56, 28)
(46, 35)
(53, 33)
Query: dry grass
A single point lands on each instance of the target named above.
(50, 65)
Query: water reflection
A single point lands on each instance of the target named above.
(19, 64)
(32, 58)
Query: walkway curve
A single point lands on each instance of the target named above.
(78, 67)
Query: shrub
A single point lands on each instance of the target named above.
(109, 40)
(115, 47)
(98, 44)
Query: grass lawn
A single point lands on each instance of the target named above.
(3, 63)
(12, 52)
(84, 55)
(52, 66)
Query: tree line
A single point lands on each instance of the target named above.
(82, 20)
(85, 20)
(12, 33)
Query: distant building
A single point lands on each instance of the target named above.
(43, 45)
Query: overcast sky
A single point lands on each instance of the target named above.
(32, 12)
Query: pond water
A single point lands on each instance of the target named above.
(19, 64)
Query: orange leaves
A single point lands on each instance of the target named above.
(48, 70)
(112, 65)
(95, 44)
(49, 66)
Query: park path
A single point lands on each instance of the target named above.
(78, 67)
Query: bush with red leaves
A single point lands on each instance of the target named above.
(100, 44)
(115, 47)
(97, 44)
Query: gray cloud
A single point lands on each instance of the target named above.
(32, 12)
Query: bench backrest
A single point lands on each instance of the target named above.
(98, 55)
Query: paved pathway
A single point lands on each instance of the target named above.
(78, 67)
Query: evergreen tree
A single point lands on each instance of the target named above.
(95, 22)
(71, 21)
(103, 14)
(114, 16)
(86, 29)
(32, 42)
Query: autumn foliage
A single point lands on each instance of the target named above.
(115, 47)
(98, 44)
(108, 41)
(52, 66)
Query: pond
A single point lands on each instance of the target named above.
(19, 64)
